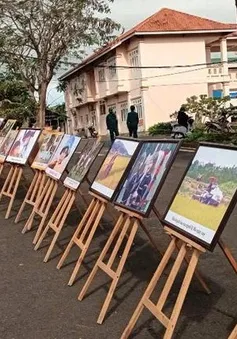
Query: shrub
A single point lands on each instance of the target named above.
(160, 128)
(201, 135)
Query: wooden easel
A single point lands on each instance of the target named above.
(42, 207)
(1, 167)
(57, 220)
(33, 192)
(84, 233)
(124, 230)
(227, 252)
(225, 249)
(156, 308)
(233, 334)
(10, 186)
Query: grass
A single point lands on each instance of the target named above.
(116, 172)
(205, 215)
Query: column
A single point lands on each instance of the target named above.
(224, 56)
(208, 54)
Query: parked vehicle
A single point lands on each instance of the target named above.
(179, 131)
(221, 125)
(92, 131)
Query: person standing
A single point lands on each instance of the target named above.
(112, 124)
(132, 122)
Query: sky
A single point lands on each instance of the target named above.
(130, 12)
(221, 157)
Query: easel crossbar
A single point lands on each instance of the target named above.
(84, 234)
(156, 310)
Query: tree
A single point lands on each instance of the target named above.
(15, 100)
(36, 36)
(204, 106)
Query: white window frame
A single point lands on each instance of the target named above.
(124, 111)
(112, 67)
(134, 59)
(137, 102)
(101, 74)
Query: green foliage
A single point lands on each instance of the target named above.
(60, 111)
(160, 128)
(204, 106)
(224, 174)
(199, 135)
(15, 100)
(36, 36)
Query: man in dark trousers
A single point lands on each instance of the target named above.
(132, 122)
(112, 124)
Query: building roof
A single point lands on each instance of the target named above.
(163, 22)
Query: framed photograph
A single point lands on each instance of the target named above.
(143, 182)
(113, 167)
(206, 195)
(23, 145)
(6, 129)
(62, 156)
(80, 170)
(7, 144)
(49, 144)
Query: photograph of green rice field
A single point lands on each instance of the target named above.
(208, 187)
(114, 166)
(112, 171)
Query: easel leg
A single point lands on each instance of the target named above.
(43, 209)
(228, 254)
(118, 272)
(92, 224)
(57, 233)
(38, 202)
(233, 334)
(77, 232)
(102, 255)
(149, 289)
(197, 273)
(8, 179)
(11, 185)
(182, 294)
(120, 229)
(32, 187)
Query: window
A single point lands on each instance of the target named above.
(87, 119)
(102, 108)
(81, 119)
(139, 108)
(134, 58)
(101, 74)
(112, 67)
(124, 111)
(233, 93)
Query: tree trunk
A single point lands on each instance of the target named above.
(42, 104)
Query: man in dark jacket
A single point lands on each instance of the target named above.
(112, 124)
(132, 122)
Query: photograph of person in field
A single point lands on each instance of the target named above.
(114, 166)
(205, 193)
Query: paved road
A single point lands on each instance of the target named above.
(36, 302)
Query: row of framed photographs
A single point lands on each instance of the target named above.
(55, 150)
(132, 175)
